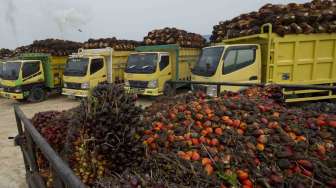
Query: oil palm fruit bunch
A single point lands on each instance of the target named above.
(53, 126)
(106, 134)
(321, 107)
(5, 53)
(42, 121)
(245, 139)
(55, 47)
(127, 179)
(317, 16)
(238, 139)
(174, 36)
(111, 42)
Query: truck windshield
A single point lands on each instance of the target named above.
(11, 70)
(76, 67)
(208, 62)
(142, 63)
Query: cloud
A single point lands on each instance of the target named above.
(22, 21)
(70, 19)
(10, 11)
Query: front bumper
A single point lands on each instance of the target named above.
(14, 96)
(75, 92)
(143, 91)
(210, 90)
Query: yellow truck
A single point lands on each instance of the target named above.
(32, 76)
(150, 68)
(89, 67)
(1, 70)
(302, 59)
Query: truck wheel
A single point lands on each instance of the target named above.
(37, 94)
(167, 90)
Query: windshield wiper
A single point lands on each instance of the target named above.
(74, 72)
(131, 67)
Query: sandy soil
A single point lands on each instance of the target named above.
(12, 172)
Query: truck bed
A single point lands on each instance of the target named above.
(183, 59)
(297, 59)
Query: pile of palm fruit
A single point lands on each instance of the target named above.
(55, 47)
(318, 16)
(53, 126)
(245, 139)
(5, 53)
(174, 36)
(111, 42)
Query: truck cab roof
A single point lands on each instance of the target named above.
(86, 56)
(164, 53)
(230, 45)
(21, 61)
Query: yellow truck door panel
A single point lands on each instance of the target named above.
(241, 64)
(97, 72)
(32, 72)
(165, 71)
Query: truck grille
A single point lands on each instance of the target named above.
(198, 87)
(73, 85)
(8, 89)
(138, 84)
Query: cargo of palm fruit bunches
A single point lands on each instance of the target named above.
(55, 47)
(246, 139)
(318, 16)
(53, 126)
(5, 53)
(174, 36)
(111, 42)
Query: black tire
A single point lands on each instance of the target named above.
(37, 94)
(21, 100)
(167, 90)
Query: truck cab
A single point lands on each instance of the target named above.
(147, 72)
(32, 76)
(227, 63)
(149, 69)
(1, 72)
(22, 79)
(81, 73)
(89, 67)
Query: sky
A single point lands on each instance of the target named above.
(23, 21)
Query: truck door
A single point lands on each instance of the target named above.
(241, 64)
(165, 71)
(32, 73)
(97, 72)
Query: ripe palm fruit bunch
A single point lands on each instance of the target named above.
(174, 36)
(317, 16)
(5, 53)
(246, 139)
(53, 126)
(113, 42)
(106, 134)
(56, 47)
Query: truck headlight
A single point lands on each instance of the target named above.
(211, 90)
(85, 85)
(17, 90)
(65, 85)
(127, 84)
(152, 84)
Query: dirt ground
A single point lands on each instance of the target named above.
(12, 172)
